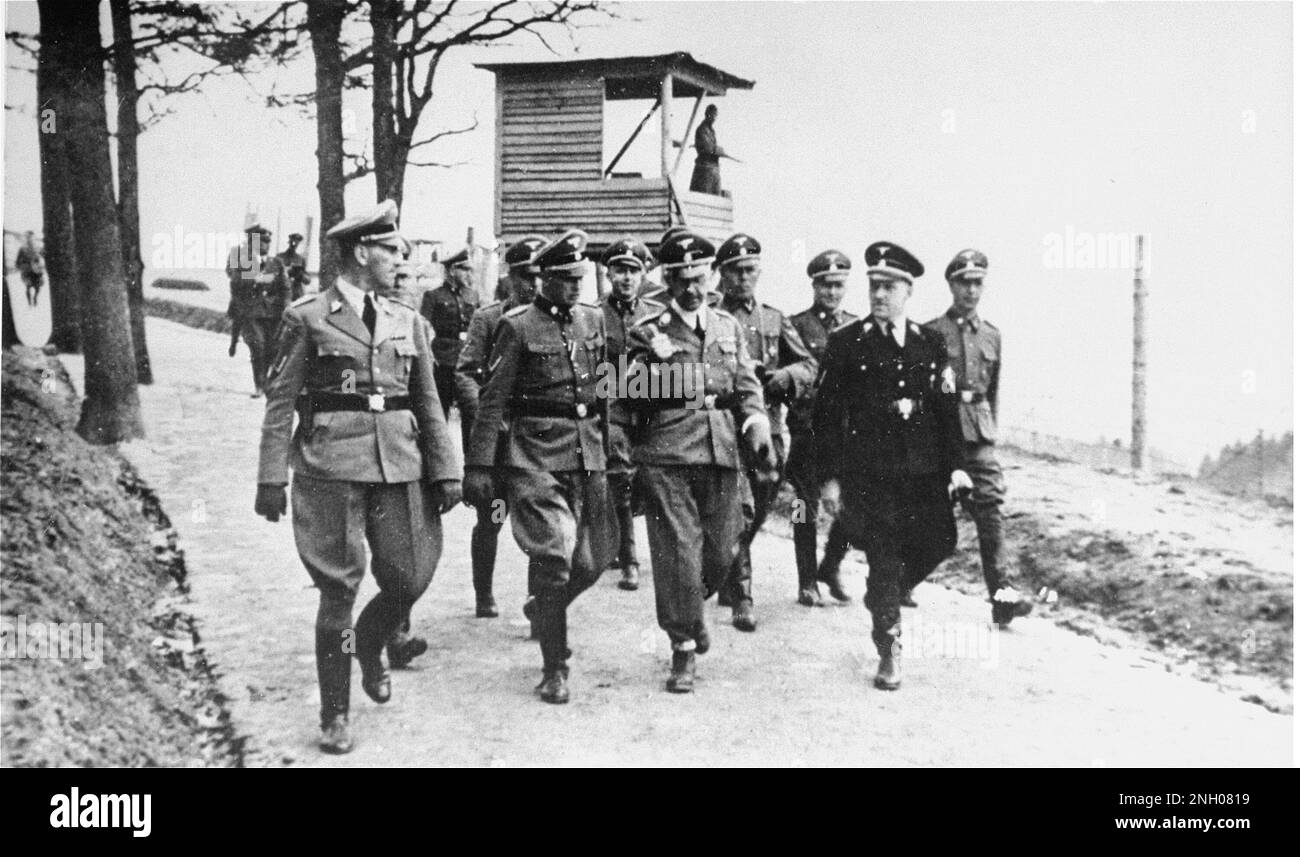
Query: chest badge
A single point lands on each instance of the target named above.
(905, 408)
(949, 384)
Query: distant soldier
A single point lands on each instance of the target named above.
(30, 263)
(294, 266)
(627, 261)
(975, 353)
(373, 463)
(889, 447)
(829, 272)
(786, 370)
(689, 450)
(258, 295)
(449, 308)
(707, 176)
(542, 386)
(471, 374)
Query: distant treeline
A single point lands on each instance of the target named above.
(1262, 467)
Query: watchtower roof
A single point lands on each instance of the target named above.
(632, 77)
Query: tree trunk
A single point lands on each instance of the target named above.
(383, 26)
(56, 210)
(111, 410)
(9, 333)
(128, 182)
(325, 22)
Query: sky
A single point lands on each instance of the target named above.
(1030, 131)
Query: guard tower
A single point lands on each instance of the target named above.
(553, 172)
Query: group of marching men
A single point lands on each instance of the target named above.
(890, 422)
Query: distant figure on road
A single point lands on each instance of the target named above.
(258, 294)
(31, 264)
(707, 177)
(294, 266)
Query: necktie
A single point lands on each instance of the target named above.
(889, 334)
(699, 328)
(368, 314)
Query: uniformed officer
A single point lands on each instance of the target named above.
(829, 272)
(889, 447)
(373, 463)
(627, 261)
(975, 353)
(542, 385)
(785, 369)
(258, 294)
(294, 266)
(471, 374)
(689, 447)
(449, 309)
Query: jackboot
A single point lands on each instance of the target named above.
(828, 572)
(682, 677)
(483, 558)
(889, 675)
(553, 633)
(805, 563)
(334, 675)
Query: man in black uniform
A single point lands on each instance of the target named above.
(449, 309)
(829, 271)
(786, 370)
(471, 374)
(294, 266)
(627, 261)
(542, 386)
(975, 353)
(707, 177)
(889, 445)
(258, 294)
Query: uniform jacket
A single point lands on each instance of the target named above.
(773, 342)
(704, 435)
(449, 311)
(975, 352)
(814, 326)
(858, 425)
(620, 318)
(294, 267)
(471, 366)
(325, 347)
(541, 358)
(258, 287)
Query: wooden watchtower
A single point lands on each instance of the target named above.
(553, 172)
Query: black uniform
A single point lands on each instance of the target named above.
(449, 309)
(886, 427)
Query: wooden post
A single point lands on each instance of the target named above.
(1138, 445)
(666, 125)
(690, 123)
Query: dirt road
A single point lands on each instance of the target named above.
(797, 692)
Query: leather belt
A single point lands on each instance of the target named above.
(711, 402)
(543, 408)
(970, 397)
(321, 402)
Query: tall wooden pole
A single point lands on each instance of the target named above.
(1138, 446)
(666, 125)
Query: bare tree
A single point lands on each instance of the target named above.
(56, 211)
(325, 23)
(111, 409)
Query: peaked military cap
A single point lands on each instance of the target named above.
(628, 251)
(461, 258)
(738, 248)
(887, 259)
(968, 264)
(377, 226)
(256, 228)
(684, 248)
(564, 254)
(522, 251)
(295, 236)
(829, 263)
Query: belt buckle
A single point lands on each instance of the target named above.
(463, 336)
(967, 396)
(711, 401)
(904, 407)
(580, 410)
(376, 401)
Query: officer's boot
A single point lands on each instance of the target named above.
(890, 648)
(1008, 603)
(682, 677)
(334, 674)
(553, 632)
(401, 647)
(374, 621)
(828, 572)
(805, 562)
(483, 558)
(737, 588)
(627, 560)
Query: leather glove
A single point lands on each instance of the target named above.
(960, 486)
(444, 495)
(759, 437)
(477, 487)
(830, 498)
(271, 502)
